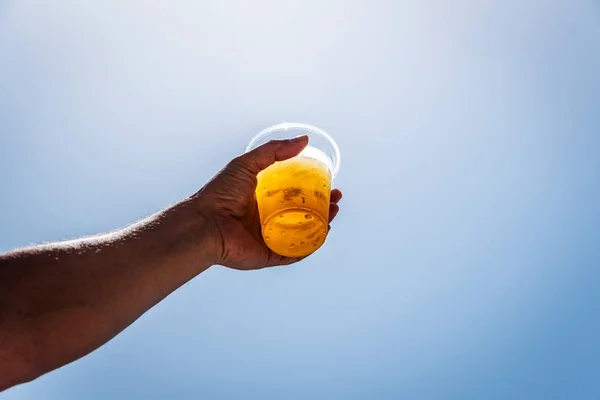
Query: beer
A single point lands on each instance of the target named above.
(293, 195)
(293, 203)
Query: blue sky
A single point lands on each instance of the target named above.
(464, 262)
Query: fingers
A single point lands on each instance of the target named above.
(333, 210)
(275, 150)
(336, 195)
(290, 260)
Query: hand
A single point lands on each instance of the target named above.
(228, 203)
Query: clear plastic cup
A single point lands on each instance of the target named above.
(293, 195)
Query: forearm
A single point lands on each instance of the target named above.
(59, 302)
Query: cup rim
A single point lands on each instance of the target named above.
(296, 125)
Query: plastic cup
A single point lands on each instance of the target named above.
(293, 195)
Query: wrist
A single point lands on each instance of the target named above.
(180, 236)
(192, 234)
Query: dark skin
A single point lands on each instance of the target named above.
(59, 302)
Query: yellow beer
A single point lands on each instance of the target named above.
(293, 203)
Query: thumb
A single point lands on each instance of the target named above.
(275, 150)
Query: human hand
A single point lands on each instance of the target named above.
(228, 204)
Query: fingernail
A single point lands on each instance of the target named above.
(297, 139)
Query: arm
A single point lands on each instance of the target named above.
(58, 302)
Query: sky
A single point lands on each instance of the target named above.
(465, 261)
